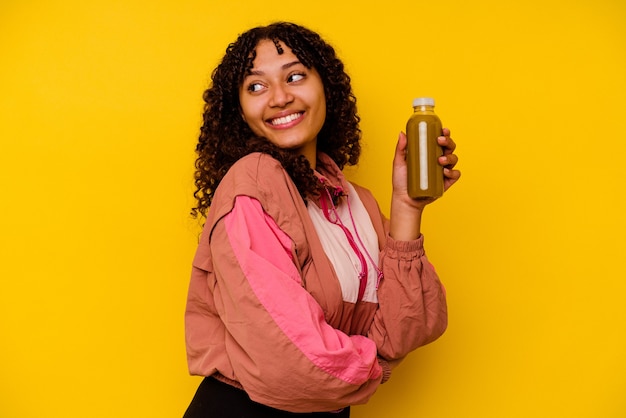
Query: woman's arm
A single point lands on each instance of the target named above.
(406, 213)
(412, 304)
(412, 309)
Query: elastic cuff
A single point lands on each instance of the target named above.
(416, 245)
(386, 369)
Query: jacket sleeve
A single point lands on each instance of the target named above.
(412, 308)
(281, 349)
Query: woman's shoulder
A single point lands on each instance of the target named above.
(254, 164)
(255, 168)
(256, 175)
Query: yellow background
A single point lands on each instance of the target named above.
(100, 105)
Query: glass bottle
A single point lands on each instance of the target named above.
(425, 175)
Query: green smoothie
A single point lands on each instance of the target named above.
(425, 175)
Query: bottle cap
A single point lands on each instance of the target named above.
(423, 101)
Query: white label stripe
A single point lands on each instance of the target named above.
(423, 155)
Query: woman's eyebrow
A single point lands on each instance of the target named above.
(283, 67)
(291, 64)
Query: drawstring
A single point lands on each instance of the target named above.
(379, 272)
(333, 217)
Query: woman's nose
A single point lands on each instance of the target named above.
(280, 96)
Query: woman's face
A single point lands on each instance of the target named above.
(283, 101)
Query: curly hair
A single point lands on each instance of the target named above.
(225, 137)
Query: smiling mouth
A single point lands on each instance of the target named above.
(285, 119)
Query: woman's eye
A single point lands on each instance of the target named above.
(254, 87)
(295, 77)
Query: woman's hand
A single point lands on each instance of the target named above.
(448, 161)
(406, 212)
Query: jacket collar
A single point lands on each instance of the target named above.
(330, 175)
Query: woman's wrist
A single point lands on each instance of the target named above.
(405, 220)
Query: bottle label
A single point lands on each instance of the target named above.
(423, 155)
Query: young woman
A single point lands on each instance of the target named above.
(303, 297)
